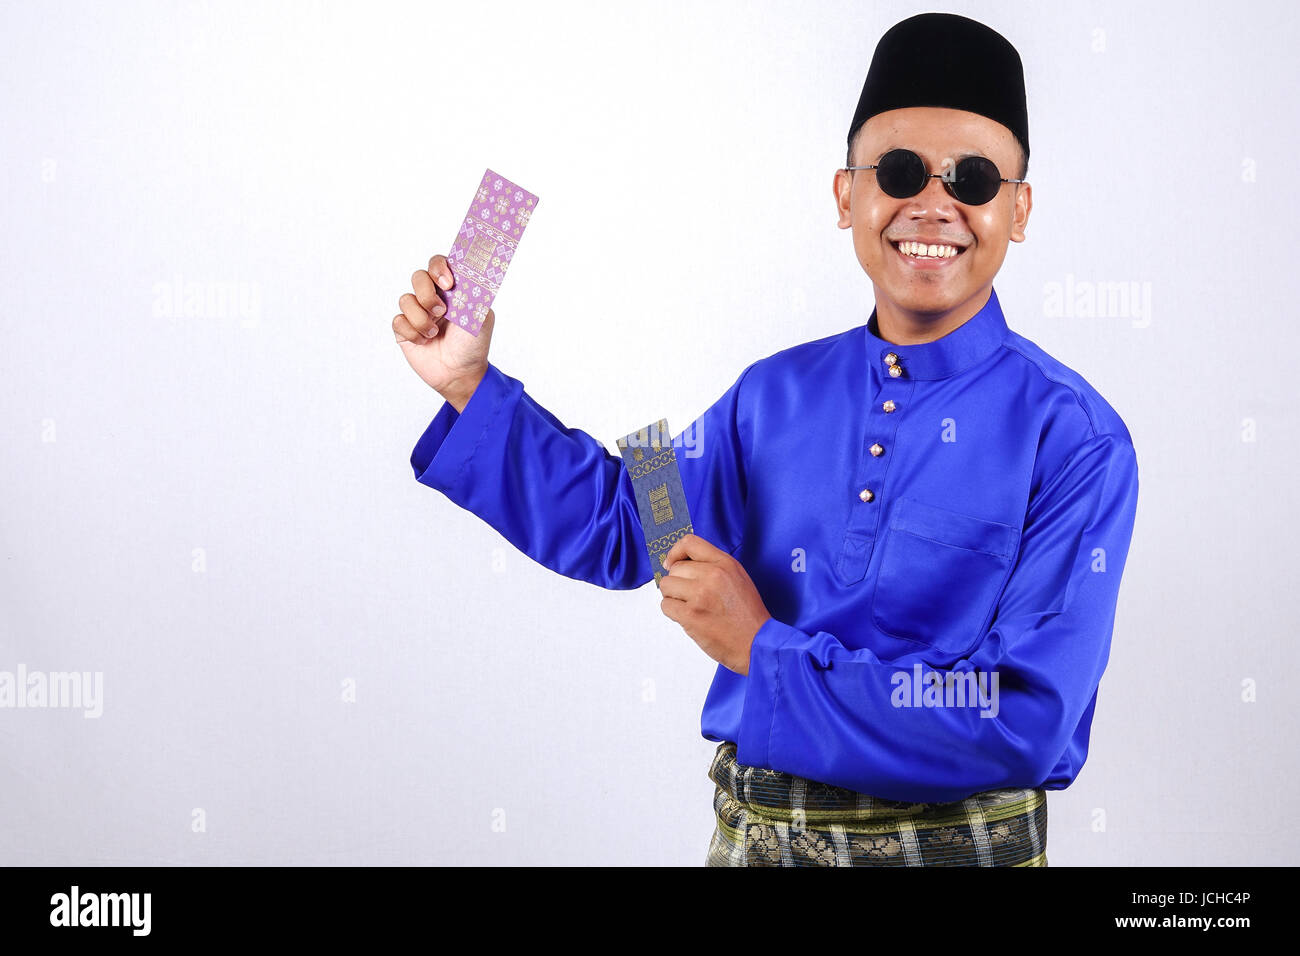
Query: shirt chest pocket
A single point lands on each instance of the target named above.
(940, 574)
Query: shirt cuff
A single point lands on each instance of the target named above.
(762, 690)
(449, 442)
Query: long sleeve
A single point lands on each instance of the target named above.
(559, 496)
(815, 708)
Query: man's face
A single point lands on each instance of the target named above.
(930, 297)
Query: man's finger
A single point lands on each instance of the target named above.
(694, 547)
(406, 332)
(422, 286)
(672, 609)
(675, 553)
(684, 569)
(441, 272)
(418, 316)
(676, 587)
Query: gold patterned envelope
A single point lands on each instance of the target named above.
(484, 246)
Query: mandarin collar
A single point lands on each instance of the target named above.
(971, 342)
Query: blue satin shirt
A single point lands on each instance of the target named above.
(916, 518)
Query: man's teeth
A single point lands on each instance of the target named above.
(929, 252)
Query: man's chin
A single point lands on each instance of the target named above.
(935, 302)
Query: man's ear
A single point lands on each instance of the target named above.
(842, 188)
(1020, 211)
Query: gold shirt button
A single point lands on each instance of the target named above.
(895, 370)
(891, 359)
(877, 450)
(866, 494)
(889, 406)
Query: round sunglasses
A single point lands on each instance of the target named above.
(974, 180)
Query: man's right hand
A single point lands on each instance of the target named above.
(449, 359)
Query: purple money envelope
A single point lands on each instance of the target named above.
(484, 246)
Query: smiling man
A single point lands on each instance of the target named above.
(931, 256)
(909, 536)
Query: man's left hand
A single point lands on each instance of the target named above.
(712, 597)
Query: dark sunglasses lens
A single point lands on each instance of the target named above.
(901, 173)
(977, 181)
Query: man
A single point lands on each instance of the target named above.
(909, 536)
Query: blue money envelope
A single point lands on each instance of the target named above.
(652, 466)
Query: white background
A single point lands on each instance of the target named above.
(207, 497)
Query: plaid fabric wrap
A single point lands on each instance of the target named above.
(770, 818)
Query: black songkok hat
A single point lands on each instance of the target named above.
(941, 59)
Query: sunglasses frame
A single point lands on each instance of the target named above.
(949, 178)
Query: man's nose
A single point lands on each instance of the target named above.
(933, 202)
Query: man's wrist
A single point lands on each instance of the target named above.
(459, 392)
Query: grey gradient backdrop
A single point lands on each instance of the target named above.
(209, 212)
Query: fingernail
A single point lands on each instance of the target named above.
(438, 310)
(444, 281)
(430, 333)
